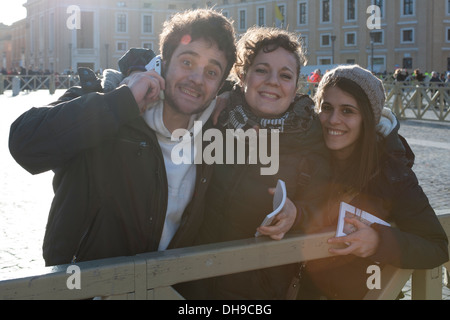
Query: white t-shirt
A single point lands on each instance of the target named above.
(180, 177)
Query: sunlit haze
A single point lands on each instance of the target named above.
(12, 11)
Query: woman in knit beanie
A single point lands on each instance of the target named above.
(350, 102)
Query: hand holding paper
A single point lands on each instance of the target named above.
(283, 216)
(354, 230)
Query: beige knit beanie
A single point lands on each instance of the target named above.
(370, 84)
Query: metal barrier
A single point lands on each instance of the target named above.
(39, 82)
(421, 102)
(150, 276)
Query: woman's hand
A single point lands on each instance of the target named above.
(283, 222)
(362, 243)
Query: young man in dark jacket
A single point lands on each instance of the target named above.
(114, 183)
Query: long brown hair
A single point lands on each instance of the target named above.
(363, 164)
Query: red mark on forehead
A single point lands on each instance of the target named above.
(186, 39)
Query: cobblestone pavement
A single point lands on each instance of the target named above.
(25, 199)
(430, 141)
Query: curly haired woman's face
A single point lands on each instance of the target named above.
(270, 84)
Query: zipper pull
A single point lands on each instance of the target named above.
(142, 146)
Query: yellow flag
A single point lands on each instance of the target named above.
(278, 17)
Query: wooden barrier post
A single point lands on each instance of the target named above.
(397, 100)
(52, 85)
(427, 284)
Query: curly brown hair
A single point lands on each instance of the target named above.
(267, 39)
(199, 24)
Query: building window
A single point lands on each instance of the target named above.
(303, 13)
(147, 24)
(447, 35)
(325, 40)
(380, 4)
(351, 10)
(261, 17)
(407, 63)
(350, 39)
(324, 61)
(85, 35)
(408, 7)
(377, 37)
(325, 11)
(147, 45)
(242, 20)
(121, 46)
(379, 64)
(407, 36)
(121, 22)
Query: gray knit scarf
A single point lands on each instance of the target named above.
(298, 117)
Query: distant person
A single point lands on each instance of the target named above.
(315, 76)
(435, 81)
(418, 76)
(400, 75)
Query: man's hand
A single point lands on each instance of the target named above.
(145, 87)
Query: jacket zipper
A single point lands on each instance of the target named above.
(142, 144)
(83, 238)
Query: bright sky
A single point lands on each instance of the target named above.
(12, 11)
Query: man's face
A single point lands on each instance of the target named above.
(194, 76)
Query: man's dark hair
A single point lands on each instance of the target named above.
(199, 24)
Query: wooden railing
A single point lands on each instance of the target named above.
(150, 276)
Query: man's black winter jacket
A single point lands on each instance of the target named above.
(110, 181)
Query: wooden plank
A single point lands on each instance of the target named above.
(165, 293)
(181, 265)
(98, 278)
